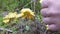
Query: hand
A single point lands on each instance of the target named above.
(51, 14)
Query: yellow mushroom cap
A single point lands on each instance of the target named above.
(12, 15)
(27, 13)
(6, 21)
(6, 17)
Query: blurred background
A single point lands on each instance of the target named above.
(22, 26)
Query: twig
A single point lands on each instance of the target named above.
(6, 29)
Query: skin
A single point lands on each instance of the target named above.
(51, 14)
